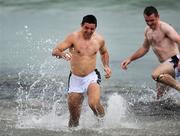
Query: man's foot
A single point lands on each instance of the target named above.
(100, 122)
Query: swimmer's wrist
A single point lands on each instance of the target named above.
(63, 55)
(106, 66)
(66, 55)
(130, 59)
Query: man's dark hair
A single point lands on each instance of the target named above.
(89, 19)
(150, 10)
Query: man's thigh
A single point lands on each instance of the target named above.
(164, 68)
(93, 92)
(75, 99)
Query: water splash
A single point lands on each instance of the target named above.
(42, 105)
(41, 98)
(55, 119)
(118, 113)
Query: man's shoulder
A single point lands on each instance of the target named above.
(72, 35)
(163, 23)
(99, 37)
(165, 27)
(146, 29)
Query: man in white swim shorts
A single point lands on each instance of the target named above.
(83, 46)
(165, 42)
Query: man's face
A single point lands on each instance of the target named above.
(151, 20)
(88, 29)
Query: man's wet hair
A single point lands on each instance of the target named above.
(150, 10)
(89, 19)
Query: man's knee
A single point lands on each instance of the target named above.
(94, 105)
(156, 76)
(98, 109)
(160, 77)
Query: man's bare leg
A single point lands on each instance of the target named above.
(165, 74)
(169, 80)
(161, 89)
(74, 102)
(94, 100)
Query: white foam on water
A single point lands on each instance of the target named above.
(174, 95)
(50, 121)
(41, 105)
(118, 113)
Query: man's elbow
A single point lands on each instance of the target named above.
(105, 53)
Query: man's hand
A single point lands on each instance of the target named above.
(108, 72)
(67, 56)
(125, 63)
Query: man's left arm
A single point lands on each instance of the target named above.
(173, 35)
(177, 40)
(105, 59)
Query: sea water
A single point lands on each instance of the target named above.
(33, 84)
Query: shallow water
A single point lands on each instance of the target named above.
(33, 83)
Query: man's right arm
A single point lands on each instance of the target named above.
(58, 51)
(138, 54)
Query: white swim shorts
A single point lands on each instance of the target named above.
(80, 84)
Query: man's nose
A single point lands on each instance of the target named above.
(89, 30)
